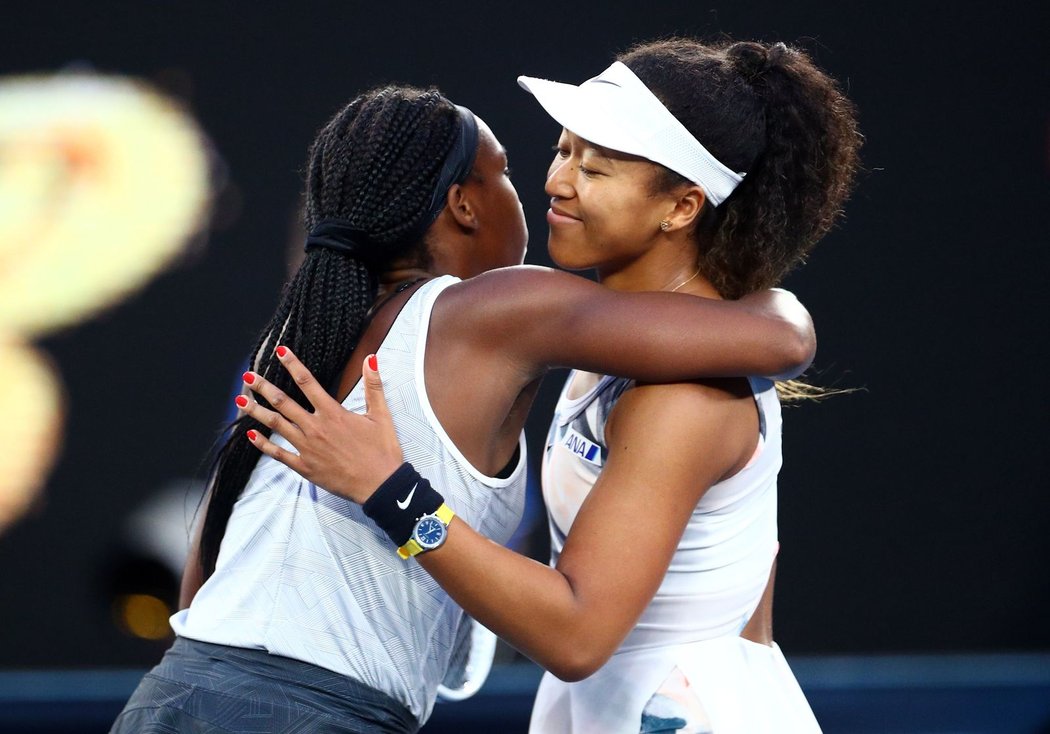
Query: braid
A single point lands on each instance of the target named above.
(375, 164)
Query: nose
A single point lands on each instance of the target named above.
(559, 181)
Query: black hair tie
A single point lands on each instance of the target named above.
(341, 236)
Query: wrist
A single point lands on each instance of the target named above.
(400, 501)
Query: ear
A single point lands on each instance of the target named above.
(687, 207)
(458, 203)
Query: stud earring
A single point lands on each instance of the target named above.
(664, 225)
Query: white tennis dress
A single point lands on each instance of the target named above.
(305, 574)
(684, 668)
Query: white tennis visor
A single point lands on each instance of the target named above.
(616, 110)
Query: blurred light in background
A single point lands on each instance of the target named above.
(31, 400)
(143, 615)
(145, 570)
(103, 183)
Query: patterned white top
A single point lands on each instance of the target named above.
(305, 574)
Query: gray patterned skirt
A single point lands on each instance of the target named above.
(204, 688)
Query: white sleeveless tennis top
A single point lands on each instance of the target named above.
(684, 660)
(305, 574)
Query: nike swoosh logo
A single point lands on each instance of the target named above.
(403, 504)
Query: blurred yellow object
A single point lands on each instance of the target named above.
(143, 616)
(103, 182)
(30, 432)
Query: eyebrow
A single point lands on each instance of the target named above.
(612, 155)
(608, 153)
(601, 150)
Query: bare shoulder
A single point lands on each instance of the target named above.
(511, 310)
(696, 402)
(704, 426)
(521, 286)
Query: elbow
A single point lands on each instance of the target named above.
(574, 663)
(571, 673)
(793, 342)
(805, 348)
(797, 352)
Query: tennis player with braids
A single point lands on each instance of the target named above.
(299, 617)
(706, 170)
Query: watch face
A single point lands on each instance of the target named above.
(430, 532)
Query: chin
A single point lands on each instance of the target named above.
(562, 254)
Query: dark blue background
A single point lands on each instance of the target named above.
(913, 514)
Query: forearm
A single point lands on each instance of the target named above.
(192, 572)
(653, 337)
(692, 339)
(192, 579)
(536, 608)
(711, 338)
(530, 605)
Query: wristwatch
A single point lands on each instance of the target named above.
(430, 532)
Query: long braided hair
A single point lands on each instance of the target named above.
(374, 165)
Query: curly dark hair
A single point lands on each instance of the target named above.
(376, 165)
(766, 110)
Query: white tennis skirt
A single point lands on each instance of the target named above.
(727, 685)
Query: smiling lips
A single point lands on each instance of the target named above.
(556, 215)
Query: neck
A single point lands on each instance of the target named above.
(395, 276)
(660, 269)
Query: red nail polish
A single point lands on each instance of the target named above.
(281, 351)
(249, 378)
(373, 363)
(252, 435)
(242, 402)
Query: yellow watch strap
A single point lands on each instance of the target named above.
(409, 549)
(445, 514)
(412, 548)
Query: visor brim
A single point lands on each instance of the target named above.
(581, 114)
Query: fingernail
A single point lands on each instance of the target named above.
(373, 363)
(249, 378)
(252, 435)
(242, 402)
(281, 351)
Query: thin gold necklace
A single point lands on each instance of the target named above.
(691, 277)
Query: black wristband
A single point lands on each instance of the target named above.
(402, 499)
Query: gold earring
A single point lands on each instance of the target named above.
(664, 225)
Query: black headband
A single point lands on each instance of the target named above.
(457, 166)
(341, 236)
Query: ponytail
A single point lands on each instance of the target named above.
(768, 111)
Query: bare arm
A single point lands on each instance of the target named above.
(192, 573)
(542, 317)
(569, 619)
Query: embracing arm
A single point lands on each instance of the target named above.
(571, 618)
(543, 317)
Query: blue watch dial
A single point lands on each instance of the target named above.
(430, 531)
